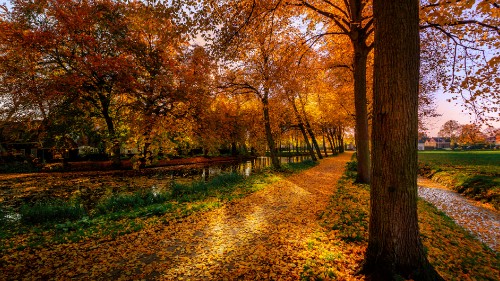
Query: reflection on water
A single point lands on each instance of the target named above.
(245, 168)
(89, 191)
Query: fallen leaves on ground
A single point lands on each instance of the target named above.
(482, 222)
(303, 227)
(262, 236)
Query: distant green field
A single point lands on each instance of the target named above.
(475, 174)
(484, 162)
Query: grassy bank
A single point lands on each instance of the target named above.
(56, 221)
(475, 174)
(336, 251)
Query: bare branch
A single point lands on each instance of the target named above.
(368, 28)
(458, 41)
(463, 22)
(240, 88)
(314, 40)
(342, 66)
(438, 4)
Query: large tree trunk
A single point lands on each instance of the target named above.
(394, 246)
(297, 149)
(340, 139)
(324, 145)
(269, 135)
(332, 145)
(147, 154)
(313, 139)
(333, 132)
(360, 103)
(359, 37)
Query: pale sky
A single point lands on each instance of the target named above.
(449, 111)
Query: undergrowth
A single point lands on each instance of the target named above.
(484, 187)
(50, 211)
(338, 248)
(475, 174)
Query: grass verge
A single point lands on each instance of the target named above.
(475, 174)
(337, 249)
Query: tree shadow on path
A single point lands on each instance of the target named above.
(263, 236)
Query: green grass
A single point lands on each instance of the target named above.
(124, 202)
(475, 174)
(487, 162)
(452, 250)
(200, 189)
(297, 167)
(50, 211)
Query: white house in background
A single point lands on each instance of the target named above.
(434, 143)
(421, 144)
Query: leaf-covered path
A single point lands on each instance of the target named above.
(260, 237)
(481, 222)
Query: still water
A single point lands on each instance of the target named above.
(245, 168)
(89, 189)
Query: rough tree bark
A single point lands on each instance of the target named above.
(394, 245)
(359, 38)
(360, 104)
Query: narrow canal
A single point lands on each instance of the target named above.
(17, 189)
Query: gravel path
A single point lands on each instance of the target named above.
(481, 222)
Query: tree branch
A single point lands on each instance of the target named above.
(335, 18)
(462, 22)
(336, 8)
(438, 4)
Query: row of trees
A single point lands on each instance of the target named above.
(468, 134)
(126, 74)
(344, 29)
(126, 70)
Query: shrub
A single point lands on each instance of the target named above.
(124, 202)
(295, 167)
(51, 211)
(226, 179)
(179, 189)
(352, 166)
(201, 187)
(3, 216)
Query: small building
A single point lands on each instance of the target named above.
(437, 143)
(493, 140)
(21, 141)
(421, 144)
